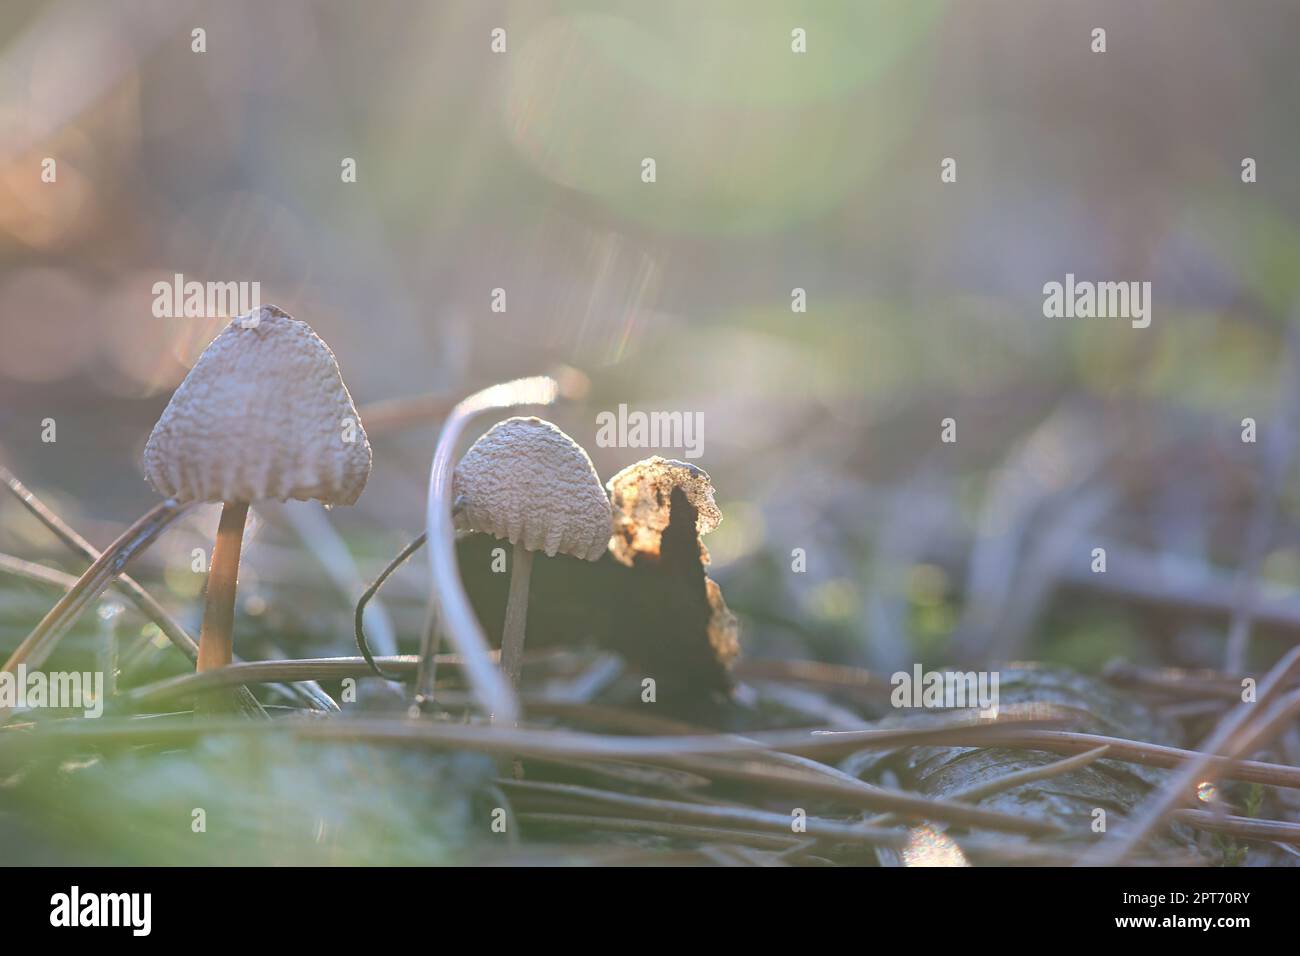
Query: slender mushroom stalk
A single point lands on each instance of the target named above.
(530, 483)
(512, 635)
(216, 642)
(264, 414)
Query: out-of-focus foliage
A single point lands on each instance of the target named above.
(247, 800)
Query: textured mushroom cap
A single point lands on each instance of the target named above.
(528, 482)
(262, 414)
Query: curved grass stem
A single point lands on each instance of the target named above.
(492, 692)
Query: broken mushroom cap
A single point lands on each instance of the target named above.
(528, 482)
(641, 497)
(646, 498)
(262, 414)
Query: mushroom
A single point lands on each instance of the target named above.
(263, 414)
(530, 483)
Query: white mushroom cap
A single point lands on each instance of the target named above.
(528, 482)
(262, 414)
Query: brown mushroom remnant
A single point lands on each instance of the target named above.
(263, 414)
(528, 482)
(643, 497)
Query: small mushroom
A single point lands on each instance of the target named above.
(530, 483)
(263, 414)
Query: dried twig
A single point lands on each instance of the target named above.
(840, 678)
(37, 646)
(680, 831)
(358, 619)
(851, 792)
(1140, 752)
(1221, 744)
(264, 672)
(314, 697)
(620, 807)
(1007, 781)
(496, 739)
(1247, 828)
(37, 572)
(704, 814)
(125, 583)
(1195, 685)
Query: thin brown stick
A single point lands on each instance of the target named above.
(1247, 828)
(851, 792)
(1192, 709)
(833, 677)
(606, 808)
(1221, 744)
(679, 831)
(1007, 781)
(266, 672)
(1195, 685)
(41, 641)
(1016, 778)
(492, 739)
(978, 849)
(137, 595)
(36, 572)
(1270, 724)
(66, 582)
(1141, 752)
(702, 814)
(126, 584)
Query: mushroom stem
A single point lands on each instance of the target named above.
(512, 637)
(216, 645)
